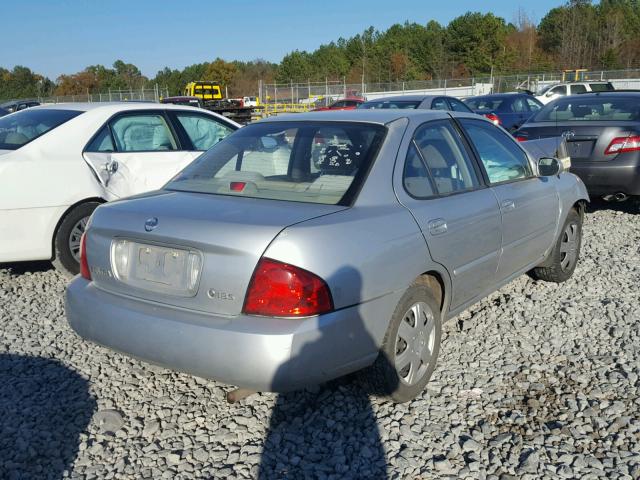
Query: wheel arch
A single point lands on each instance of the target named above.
(439, 283)
(64, 215)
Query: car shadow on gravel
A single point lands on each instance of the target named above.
(328, 431)
(631, 206)
(44, 407)
(20, 268)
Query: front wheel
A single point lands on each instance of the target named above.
(411, 346)
(66, 258)
(564, 256)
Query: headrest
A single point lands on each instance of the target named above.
(434, 157)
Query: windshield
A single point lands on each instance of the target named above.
(595, 109)
(484, 104)
(318, 162)
(391, 104)
(24, 126)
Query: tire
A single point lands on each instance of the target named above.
(406, 382)
(65, 258)
(566, 252)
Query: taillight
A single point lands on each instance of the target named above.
(237, 186)
(281, 290)
(494, 118)
(84, 266)
(623, 144)
(520, 138)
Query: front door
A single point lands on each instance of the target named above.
(459, 218)
(527, 202)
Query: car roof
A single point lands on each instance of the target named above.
(606, 93)
(407, 98)
(112, 107)
(501, 95)
(381, 116)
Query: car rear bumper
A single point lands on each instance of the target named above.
(263, 354)
(621, 174)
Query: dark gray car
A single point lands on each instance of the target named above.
(603, 139)
(305, 247)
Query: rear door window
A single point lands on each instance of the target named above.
(147, 132)
(502, 158)
(519, 105)
(441, 148)
(203, 131)
(533, 105)
(458, 106)
(575, 89)
(439, 104)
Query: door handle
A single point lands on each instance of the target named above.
(507, 205)
(437, 226)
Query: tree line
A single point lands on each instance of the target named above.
(577, 34)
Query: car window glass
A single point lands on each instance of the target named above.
(484, 104)
(338, 104)
(102, 142)
(203, 131)
(458, 106)
(561, 90)
(533, 105)
(578, 89)
(439, 104)
(447, 160)
(518, 105)
(595, 109)
(503, 160)
(26, 125)
(415, 175)
(313, 162)
(142, 133)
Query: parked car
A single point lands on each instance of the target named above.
(16, 105)
(343, 104)
(250, 101)
(183, 100)
(603, 139)
(59, 162)
(4, 112)
(510, 110)
(274, 264)
(429, 102)
(551, 92)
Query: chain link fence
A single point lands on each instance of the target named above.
(132, 95)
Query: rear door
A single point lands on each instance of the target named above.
(136, 152)
(529, 205)
(458, 215)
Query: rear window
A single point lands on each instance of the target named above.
(595, 109)
(24, 126)
(393, 104)
(484, 104)
(317, 162)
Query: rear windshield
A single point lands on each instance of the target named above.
(595, 109)
(317, 162)
(21, 127)
(601, 87)
(484, 104)
(391, 104)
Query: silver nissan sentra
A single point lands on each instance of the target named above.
(302, 248)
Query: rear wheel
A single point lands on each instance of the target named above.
(411, 346)
(565, 253)
(66, 243)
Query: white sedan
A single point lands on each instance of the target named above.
(59, 162)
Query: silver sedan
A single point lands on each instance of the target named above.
(302, 248)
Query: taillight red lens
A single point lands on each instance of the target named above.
(237, 186)
(494, 118)
(84, 266)
(281, 290)
(623, 144)
(521, 138)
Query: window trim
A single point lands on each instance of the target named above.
(479, 158)
(127, 113)
(465, 147)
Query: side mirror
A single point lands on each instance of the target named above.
(268, 143)
(549, 166)
(548, 94)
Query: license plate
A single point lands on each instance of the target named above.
(156, 268)
(580, 149)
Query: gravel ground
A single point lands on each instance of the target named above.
(536, 381)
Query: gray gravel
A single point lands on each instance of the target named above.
(537, 381)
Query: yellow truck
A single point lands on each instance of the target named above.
(203, 90)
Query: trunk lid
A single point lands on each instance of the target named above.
(586, 141)
(230, 234)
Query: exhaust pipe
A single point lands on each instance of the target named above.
(616, 197)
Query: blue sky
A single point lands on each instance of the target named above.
(64, 36)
